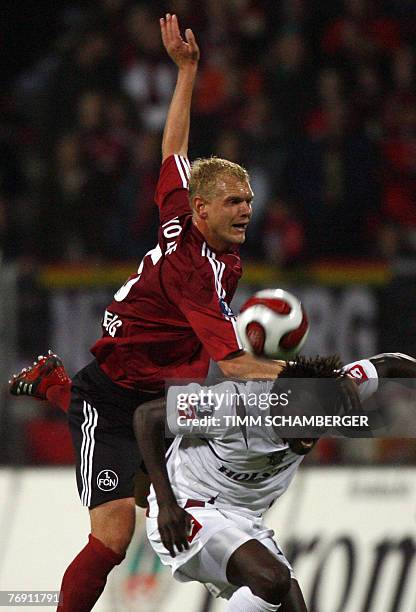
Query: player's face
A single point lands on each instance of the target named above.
(228, 212)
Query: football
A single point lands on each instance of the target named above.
(273, 324)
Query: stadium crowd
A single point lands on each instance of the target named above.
(317, 100)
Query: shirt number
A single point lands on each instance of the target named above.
(171, 229)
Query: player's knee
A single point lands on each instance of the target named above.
(113, 523)
(272, 582)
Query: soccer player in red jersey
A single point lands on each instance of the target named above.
(167, 321)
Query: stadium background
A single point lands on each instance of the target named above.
(317, 100)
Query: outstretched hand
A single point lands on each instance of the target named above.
(182, 52)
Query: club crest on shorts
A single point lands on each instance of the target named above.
(107, 480)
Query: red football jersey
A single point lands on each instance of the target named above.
(167, 320)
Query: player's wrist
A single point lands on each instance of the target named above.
(188, 70)
(166, 501)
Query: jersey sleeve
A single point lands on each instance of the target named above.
(203, 303)
(172, 188)
(201, 411)
(365, 375)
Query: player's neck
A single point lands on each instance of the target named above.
(214, 242)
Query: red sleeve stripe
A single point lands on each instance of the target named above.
(182, 164)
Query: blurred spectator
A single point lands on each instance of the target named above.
(64, 218)
(330, 94)
(251, 28)
(362, 33)
(105, 141)
(17, 206)
(294, 14)
(288, 76)
(367, 98)
(89, 164)
(256, 122)
(283, 234)
(331, 176)
(110, 13)
(88, 65)
(398, 149)
(217, 85)
(217, 99)
(3, 226)
(145, 74)
(131, 226)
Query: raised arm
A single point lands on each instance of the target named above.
(185, 54)
(149, 426)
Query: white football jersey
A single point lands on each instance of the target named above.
(239, 464)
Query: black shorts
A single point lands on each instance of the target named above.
(101, 423)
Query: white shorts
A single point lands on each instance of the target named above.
(216, 534)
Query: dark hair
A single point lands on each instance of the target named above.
(337, 397)
(313, 367)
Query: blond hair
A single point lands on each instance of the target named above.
(205, 172)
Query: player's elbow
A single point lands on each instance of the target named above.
(149, 416)
(394, 365)
(139, 422)
(227, 369)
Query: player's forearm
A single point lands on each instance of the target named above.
(149, 425)
(394, 365)
(176, 132)
(247, 366)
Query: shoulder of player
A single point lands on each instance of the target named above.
(217, 268)
(180, 163)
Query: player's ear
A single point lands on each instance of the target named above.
(199, 206)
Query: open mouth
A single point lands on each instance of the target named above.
(240, 226)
